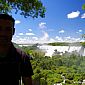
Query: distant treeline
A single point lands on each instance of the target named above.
(59, 44)
(82, 43)
(67, 44)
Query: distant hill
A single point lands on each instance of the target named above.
(65, 44)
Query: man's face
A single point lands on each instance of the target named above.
(6, 31)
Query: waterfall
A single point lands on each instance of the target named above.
(82, 51)
(78, 50)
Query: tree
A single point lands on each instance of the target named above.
(83, 35)
(32, 8)
(83, 6)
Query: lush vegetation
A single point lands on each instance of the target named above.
(67, 44)
(59, 44)
(82, 43)
(56, 69)
(32, 8)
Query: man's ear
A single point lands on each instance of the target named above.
(13, 31)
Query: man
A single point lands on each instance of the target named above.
(14, 63)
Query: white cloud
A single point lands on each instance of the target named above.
(83, 15)
(73, 14)
(45, 37)
(20, 34)
(17, 36)
(21, 40)
(71, 39)
(42, 25)
(17, 22)
(68, 37)
(61, 31)
(35, 38)
(52, 40)
(30, 30)
(79, 31)
(58, 38)
(30, 34)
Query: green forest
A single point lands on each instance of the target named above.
(67, 70)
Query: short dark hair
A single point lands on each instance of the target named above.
(7, 17)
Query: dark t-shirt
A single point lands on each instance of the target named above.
(13, 66)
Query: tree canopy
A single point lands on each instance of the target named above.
(65, 69)
(32, 8)
(83, 6)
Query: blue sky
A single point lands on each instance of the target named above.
(64, 21)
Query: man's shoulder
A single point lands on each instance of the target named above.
(19, 52)
(23, 54)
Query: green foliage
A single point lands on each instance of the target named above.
(83, 6)
(83, 35)
(32, 8)
(83, 44)
(53, 70)
(64, 44)
(58, 44)
(69, 82)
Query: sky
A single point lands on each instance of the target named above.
(64, 22)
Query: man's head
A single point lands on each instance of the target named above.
(7, 17)
(6, 28)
